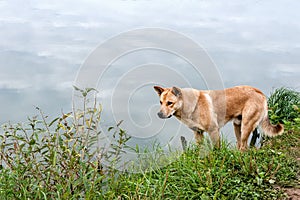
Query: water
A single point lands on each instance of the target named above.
(43, 45)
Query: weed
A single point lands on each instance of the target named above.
(58, 159)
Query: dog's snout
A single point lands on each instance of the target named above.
(160, 115)
(163, 116)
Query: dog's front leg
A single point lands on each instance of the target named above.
(198, 133)
(197, 128)
(215, 137)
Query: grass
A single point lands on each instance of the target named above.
(61, 159)
(222, 174)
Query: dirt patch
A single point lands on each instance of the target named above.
(292, 193)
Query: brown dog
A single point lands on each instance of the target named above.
(209, 110)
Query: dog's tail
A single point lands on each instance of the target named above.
(270, 129)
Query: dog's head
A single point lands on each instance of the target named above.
(170, 101)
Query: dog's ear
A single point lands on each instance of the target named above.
(159, 90)
(176, 91)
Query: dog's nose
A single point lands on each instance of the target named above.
(160, 115)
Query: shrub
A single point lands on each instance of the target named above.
(58, 159)
(284, 105)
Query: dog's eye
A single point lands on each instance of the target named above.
(169, 103)
(160, 102)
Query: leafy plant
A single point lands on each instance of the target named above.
(284, 105)
(59, 158)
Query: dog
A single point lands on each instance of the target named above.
(209, 110)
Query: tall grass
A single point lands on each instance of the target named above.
(60, 158)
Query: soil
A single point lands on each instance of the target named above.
(292, 193)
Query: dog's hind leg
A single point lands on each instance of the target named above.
(249, 122)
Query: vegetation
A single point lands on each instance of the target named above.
(284, 105)
(58, 159)
(61, 159)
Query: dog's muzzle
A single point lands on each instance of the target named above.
(162, 116)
